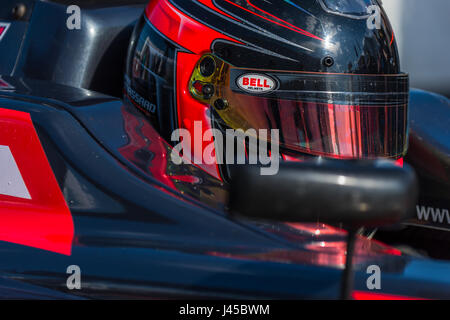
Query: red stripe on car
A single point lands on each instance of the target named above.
(33, 211)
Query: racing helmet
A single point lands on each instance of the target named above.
(324, 73)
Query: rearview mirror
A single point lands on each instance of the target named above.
(355, 193)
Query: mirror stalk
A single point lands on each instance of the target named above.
(348, 273)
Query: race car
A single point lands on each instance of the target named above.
(89, 186)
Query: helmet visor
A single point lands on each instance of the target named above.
(344, 116)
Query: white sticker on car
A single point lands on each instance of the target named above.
(11, 181)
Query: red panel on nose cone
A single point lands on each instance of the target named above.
(33, 211)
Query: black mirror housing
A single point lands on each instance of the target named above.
(355, 193)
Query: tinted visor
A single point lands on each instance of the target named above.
(334, 115)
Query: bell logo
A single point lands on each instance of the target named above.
(256, 83)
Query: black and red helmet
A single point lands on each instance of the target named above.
(325, 73)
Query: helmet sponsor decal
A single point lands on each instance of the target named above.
(256, 83)
(3, 28)
(138, 99)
